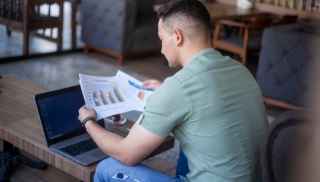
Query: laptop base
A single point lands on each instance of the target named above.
(87, 158)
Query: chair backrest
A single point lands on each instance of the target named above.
(287, 53)
(286, 136)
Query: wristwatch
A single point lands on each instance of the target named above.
(85, 120)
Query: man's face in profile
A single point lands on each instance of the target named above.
(168, 46)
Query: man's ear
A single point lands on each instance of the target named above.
(179, 38)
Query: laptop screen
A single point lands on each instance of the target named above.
(59, 113)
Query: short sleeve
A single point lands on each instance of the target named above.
(165, 109)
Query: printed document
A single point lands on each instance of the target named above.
(113, 95)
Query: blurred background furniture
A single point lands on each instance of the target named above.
(287, 141)
(246, 33)
(120, 28)
(219, 11)
(287, 53)
(0, 78)
(28, 16)
(247, 29)
(74, 21)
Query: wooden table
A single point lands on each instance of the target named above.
(222, 11)
(20, 126)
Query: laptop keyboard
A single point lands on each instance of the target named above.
(79, 148)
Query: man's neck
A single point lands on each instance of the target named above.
(188, 53)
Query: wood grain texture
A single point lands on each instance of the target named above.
(20, 126)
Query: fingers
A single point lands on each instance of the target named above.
(85, 111)
(141, 95)
(147, 84)
(153, 81)
(82, 108)
(151, 84)
(85, 108)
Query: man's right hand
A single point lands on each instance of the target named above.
(152, 84)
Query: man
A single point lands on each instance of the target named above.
(213, 106)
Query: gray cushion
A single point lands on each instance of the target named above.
(115, 25)
(286, 54)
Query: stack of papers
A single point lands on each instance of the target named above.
(113, 95)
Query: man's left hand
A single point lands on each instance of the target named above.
(85, 112)
(141, 95)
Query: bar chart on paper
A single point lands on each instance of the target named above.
(102, 97)
(112, 95)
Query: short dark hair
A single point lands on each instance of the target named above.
(190, 8)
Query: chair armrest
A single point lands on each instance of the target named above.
(281, 104)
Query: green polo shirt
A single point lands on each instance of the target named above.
(214, 107)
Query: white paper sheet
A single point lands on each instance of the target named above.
(112, 95)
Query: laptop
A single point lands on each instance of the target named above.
(58, 111)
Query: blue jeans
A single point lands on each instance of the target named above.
(111, 170)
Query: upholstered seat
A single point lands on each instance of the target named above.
(286, 55)
(120, 28)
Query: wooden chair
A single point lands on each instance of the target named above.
(245, 28)
(26, 16)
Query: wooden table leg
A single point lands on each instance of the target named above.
(60, 28)
(25, 41)
(74, 10)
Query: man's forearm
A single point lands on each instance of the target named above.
(108, 142)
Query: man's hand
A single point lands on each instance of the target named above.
(149, 84)
(152, 84)
(141, 95)
(85, 112)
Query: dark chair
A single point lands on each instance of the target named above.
(287, 135)
(286, 55)
(120, 28)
